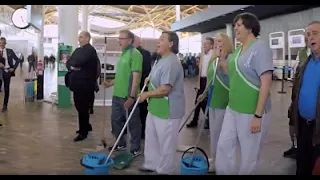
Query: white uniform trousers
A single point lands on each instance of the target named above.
(161, 144)
(236, 128)
(215, 121)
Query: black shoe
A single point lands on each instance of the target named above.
(90, 129)
(91, 111)
(4, 109)
(1, 125)
(290, 153)
(192, 124)
(80, 138)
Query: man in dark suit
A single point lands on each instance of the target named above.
(10, 65)
(82, 67)
(146, 68)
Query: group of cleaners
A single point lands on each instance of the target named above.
(239, 107)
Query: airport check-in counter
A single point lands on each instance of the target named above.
(276, 43)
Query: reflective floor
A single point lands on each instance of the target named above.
(37, 138)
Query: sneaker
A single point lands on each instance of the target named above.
(136, 153)
(290, 153)
(118, 148)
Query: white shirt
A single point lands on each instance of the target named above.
(5, 56)
(205, 62)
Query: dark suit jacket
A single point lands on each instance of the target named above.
(86, 59)
(146, 66)
(12, 56)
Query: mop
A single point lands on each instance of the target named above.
(102, 145)
(206, 112)
(126, 159)
(210, 84)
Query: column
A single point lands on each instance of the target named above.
(68, 25)
(178, 13)
(178, 16)
(229, 32)
(40, 65)
(85, 15)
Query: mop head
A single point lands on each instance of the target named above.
(123, 160)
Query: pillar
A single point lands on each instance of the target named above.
(178, 17)
(40, 63)
(229, 32)
(85, 15)
(178, 13)
(68, 25)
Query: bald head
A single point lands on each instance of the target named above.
(84, 38)
(137, 41)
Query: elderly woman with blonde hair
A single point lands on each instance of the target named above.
(220, 97)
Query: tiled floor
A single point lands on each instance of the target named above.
(37, 137)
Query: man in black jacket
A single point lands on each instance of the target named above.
(9, 68)
(146, 68)
(83, 72)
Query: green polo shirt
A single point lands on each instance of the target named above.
(129, 62)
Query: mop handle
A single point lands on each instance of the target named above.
(195, 106)
(131, 113)
(207, 109)
(104, 72)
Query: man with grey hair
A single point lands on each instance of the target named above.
(305, 106)
(125, 92)
(82, 67)
(146, 68)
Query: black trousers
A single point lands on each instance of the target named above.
(202, 105)
(6, 84)
(33, 66)
(307, 153)
(91, 103)
(82, 102)
(143, 107)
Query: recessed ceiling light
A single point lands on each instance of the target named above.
(242, 9)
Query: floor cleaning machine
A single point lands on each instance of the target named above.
(195, 164)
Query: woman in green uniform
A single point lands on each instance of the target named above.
(247, 115)
(220, 96)
(166, 107)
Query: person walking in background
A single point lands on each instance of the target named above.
(10, 65)
(32, 60)
(21, 60)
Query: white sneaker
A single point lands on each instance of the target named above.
(212, 167)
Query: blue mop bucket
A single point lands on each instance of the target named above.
(200, 164)
(95, 164)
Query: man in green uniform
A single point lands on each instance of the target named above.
(125, 91)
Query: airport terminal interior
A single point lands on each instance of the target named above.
(39, 125)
